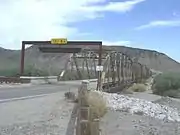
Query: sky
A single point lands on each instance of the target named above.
(146, 24)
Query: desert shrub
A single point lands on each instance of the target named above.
(70, 95)
(144, 81)
(167, 84)
(172, 93)
(9, 72)
(28, 71)
(33, 71)
(137, 87)
(126, 91)
(73, 75)
(97, 104)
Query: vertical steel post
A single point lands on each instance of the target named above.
(99, 85)
(22, 59)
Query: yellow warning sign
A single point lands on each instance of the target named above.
(59, 41)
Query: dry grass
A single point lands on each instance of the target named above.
(138, 87)
(97, 104)
(126, 91)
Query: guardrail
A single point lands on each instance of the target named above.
(39, 77)
(34, 79)
(85, 123)
(14, 80)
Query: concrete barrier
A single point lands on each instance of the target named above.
(53, 79)
(41, 80)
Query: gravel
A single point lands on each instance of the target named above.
(171, 102)
(133, 116)
(124, 123)
(134, 105)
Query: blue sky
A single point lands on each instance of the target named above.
(151, 24)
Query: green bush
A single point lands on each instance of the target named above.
(29, 71)
(172, 93)
(33, 71)
(167, 84)
(9, 72)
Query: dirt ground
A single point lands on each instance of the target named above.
(124, 123)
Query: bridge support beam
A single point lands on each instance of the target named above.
(22, 59)
(71, 45)
(99, 85)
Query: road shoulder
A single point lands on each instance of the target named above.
(45, 115)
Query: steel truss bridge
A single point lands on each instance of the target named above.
(119, 70)
(89, 60)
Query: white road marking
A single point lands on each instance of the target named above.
(23, 98)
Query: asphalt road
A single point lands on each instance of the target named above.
(46, 115)
(34, 90)
(50, 113)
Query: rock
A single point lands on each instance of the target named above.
(134, 105)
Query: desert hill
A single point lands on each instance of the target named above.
(53, 63)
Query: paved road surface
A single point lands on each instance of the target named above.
(34, 90)
(47, 115)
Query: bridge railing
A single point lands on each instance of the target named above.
(7, 80)
(120, 70)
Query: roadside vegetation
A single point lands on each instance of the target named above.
(137, 87)
(27, 72)
(95, 101)
(71, 96)
(97, 104)
(73, 75)
(32, 71)
(167, 84)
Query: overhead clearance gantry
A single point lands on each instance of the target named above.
(62, 45)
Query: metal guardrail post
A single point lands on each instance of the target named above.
(86, 124)
(99, 85)
(95, 127)
(83, 111)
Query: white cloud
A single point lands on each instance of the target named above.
(125, 43)
(43, 19)
(160, 23)
(114, 6)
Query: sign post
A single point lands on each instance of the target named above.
(99, 69)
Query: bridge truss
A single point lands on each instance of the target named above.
(86, 60)
(119, 70)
